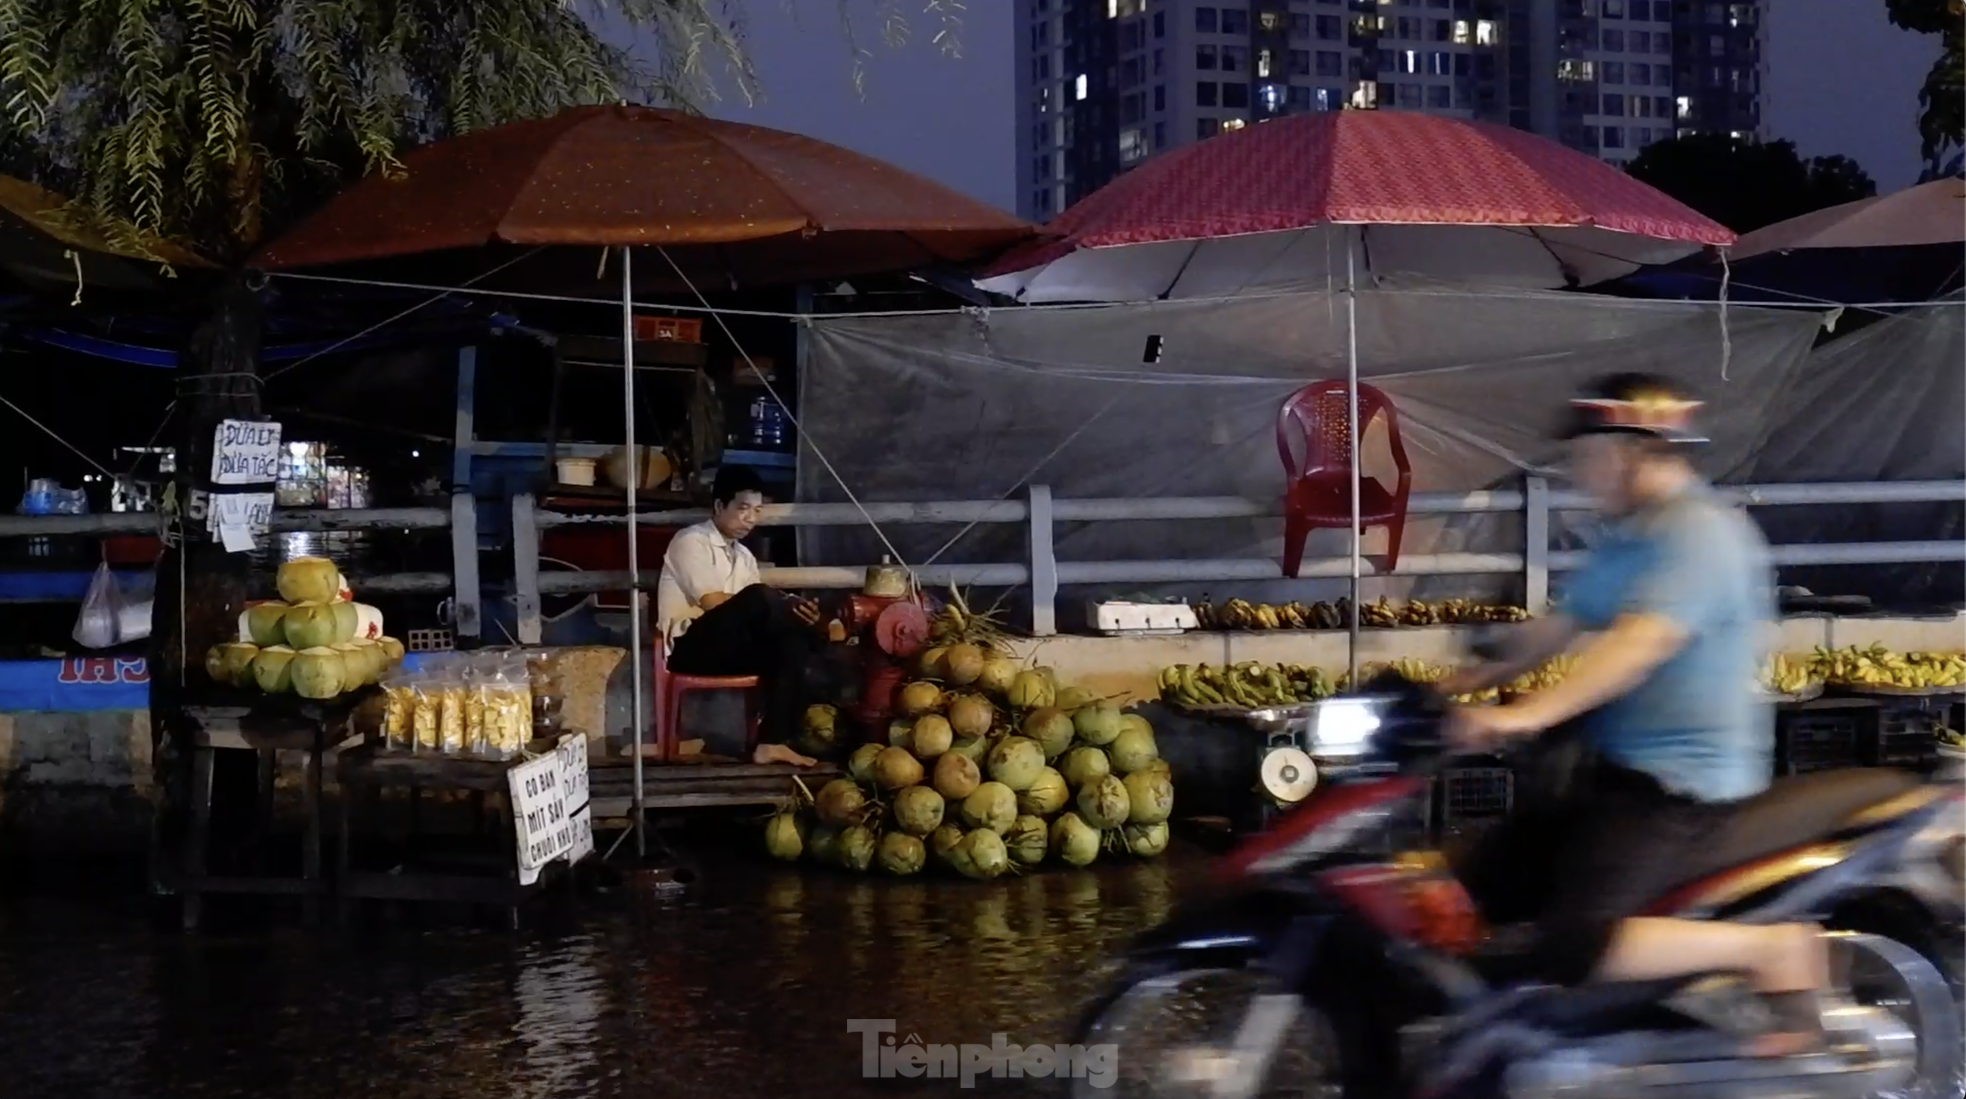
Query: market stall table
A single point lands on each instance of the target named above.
(265, 725)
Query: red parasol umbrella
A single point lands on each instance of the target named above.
(728, 204)
(733, 205)
(1268, 207)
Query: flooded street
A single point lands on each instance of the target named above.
(743, 985)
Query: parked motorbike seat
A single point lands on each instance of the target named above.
(1794, 812)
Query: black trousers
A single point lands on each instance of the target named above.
(754, 633)
(1579, 865)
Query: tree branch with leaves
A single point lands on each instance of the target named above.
(1942, 98)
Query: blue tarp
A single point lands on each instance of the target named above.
(88, 684)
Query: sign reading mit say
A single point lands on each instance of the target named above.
(246, 452)
(549, 807)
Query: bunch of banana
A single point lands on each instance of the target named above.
(1878, 666)
(1785, 676)
(1541, 679)
(1247, 684)
(1240, 614)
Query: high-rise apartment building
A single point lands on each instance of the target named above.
(1105, 84)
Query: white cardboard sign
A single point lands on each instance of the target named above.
(246, 452)
(550, 810)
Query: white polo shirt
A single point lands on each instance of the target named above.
(700, 560)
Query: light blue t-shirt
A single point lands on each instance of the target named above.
(1695, 724)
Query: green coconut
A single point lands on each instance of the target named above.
(956, 776)
(1145, 840)
(918, 810)
(1051, 728)
(309, 626)
(896, 769)
(1047, 794)
(346, 619)
(391, 648)
(361, 664)
(901, 854)
(1071, 699)
(1134, 721)
(1027, 840)
(992, 806)
(308, 580)
(1104, 804)
(942, 841)
(1015, 761)
(971, 715)
(856, 851)
(215, 663)
(929, 664)
(1159, 767)
(235, 663)
(840, 803)
(930, 737)
(997, 675)
(273, 669)
(1097, 723)
(785, 837)
(1075, 842)
(822, 725)
(1084, 766)
(1150, 797)
(263, 624)
(971, 748)
(824, 844)
(962, 664)
(918, 698)
(317, 673)
(981, 855)
(860, 765)
(1132, 750)
(1031, 690)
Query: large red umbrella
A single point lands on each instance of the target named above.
(1284, 203)
(732, 204)
(729, 205)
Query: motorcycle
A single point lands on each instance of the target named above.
(1339, 961)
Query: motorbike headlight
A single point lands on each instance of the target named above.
(1343, 728)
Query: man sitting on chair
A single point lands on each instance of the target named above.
(721, 620)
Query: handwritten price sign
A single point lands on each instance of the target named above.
(246, 452)
(549, 807)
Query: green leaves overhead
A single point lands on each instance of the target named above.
(207, 121)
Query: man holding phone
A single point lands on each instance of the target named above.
(719, 618)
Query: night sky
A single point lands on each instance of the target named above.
(1841, 80)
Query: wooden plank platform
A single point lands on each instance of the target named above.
(707, 784)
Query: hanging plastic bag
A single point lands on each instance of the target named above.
(99, 625)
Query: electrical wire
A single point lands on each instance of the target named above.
(51, 433)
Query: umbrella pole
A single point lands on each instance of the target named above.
(634, 549)
(1353, 436)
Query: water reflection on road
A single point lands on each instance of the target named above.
(742, 986)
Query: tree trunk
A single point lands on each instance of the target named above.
(201, 589)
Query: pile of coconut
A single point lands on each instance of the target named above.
(992, 767)
(314, 641)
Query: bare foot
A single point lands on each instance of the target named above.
(779, 753)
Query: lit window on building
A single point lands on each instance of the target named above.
(1079, 86)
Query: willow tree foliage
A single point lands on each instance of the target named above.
(214, 121)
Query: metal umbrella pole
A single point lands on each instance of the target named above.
(634, 550)
(1353, 436)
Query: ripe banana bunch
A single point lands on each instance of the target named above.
(1240, 614)
(1541, 679)
(1878, 666)
(1785, 676)
(1248, 684)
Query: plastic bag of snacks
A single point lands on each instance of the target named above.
(426, 711)
(398, 713)
(507, 691)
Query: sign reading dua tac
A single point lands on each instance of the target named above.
(246, 452)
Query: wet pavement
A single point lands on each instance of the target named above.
(743, 985)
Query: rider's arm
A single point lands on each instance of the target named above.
(1608, 664)
(1526, 648)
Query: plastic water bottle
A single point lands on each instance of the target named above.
(767, 423)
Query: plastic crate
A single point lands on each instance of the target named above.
(1907, 733)
(1476, 793)
(677, 329)
(1826, 739)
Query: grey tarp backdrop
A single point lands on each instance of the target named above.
(975, 405)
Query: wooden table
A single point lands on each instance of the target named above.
(267, 726)
(371, 768)
(705, 784)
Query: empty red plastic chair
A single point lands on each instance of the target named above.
(1318, 493)
(670, 687)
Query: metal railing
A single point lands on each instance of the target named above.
(1039, 513)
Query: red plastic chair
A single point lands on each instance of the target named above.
(670, 687)
(1319, 492)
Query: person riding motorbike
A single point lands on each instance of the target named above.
(1667, 622)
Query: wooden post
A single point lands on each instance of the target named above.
(1044, 565)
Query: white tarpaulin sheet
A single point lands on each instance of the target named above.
(977, 405)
